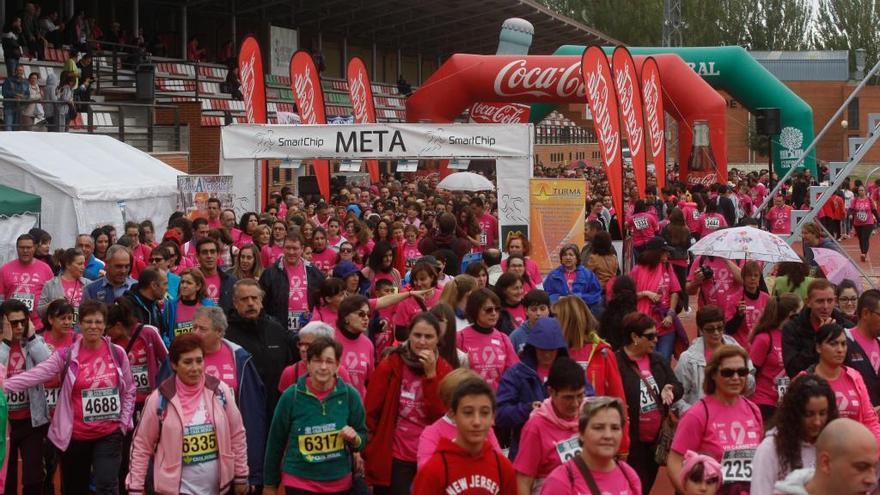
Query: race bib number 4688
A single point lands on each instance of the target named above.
(100, 404)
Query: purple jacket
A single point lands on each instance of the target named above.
(61, 429)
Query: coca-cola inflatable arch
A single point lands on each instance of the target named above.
(466, 79)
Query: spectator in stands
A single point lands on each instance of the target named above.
(227, 55)
(50, 28)
(32, 112)
(31, 33)
(232, 85)
(50, 110)
(193, 51)
(65, 110)
(71, 64)
(86, 67)
(12, 44)
(15, 89)
(403, 87)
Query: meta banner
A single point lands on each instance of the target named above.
(655, 121)
(305, 82)
(602, 99)
(629, 96)
(376, 141)
(363, 106)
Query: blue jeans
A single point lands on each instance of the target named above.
(11, 118)
(666, 346)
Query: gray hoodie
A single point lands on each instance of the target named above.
(690, 371)
(794, 483)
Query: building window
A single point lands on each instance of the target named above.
(852, 115)
(276, 175)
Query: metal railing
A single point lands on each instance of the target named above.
(142, 135)
(546, 134)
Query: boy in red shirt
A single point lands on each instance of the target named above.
(468, 465)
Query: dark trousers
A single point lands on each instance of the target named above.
(97, 460)
(51, 455)
(681, 275)
(767, 413)
(27, 441)
(864, 233)
(641, 459)
(402, 475)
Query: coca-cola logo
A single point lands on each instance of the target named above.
(499, 113)
(626, 89)
(357, 89)
(599, 98)
(517, 78)
(651, 92)
(305, 95)
(248, 83)
(706, 179)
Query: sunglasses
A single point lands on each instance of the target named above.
(729, 372)
(156, 260)
(713, 329)
(345, 250)
(650, 336)
(491, 309)
(17, 323)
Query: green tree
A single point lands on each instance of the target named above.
(634, 22)
(848, 25)
(780, 25)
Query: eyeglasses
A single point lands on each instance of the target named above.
(361, 314)
(158, 259)
(650, 336)
(17, 323)
(491, 309)
(318, 362)
(847, 299)
(345, 250)
(729, 372)
(713, 328)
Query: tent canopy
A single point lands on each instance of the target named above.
(15, 202)
(86, 181)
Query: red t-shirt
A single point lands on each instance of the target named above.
(18, 402)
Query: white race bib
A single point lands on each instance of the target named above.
(640, 223)
(646, 399)
(100, 404)
(782, 383)
(568, 449)
(17, 401)
(862, 216)
(294, 318)
(27, 299)
(52, 396)
(737, 465)
(141, 378)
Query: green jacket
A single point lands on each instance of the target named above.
(305, 437)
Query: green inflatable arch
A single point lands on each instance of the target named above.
(733, 70)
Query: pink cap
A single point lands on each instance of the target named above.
(711, 468)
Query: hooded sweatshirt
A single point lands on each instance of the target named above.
(794, 483)
(546, 442)
(453, 470)
(521, 385)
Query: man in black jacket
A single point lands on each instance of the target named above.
(863, 344)
(290, 285)
(144, 296)
(726, 206)
(218, 284)
(260, 335)
(799, 335)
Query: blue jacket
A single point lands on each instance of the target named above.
(93, 268)
(519, 336)
(170, 318)
(101, 290)
(586, 286)
(250, 397)
(520, 385)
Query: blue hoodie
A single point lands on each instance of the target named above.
(521, 386)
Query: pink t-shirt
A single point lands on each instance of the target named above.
(766, 354)
(73, 292)
(862, 214)
(660, 279)
(411, 253)
(183, 319)
(544, 445)
(754, 310)
(730, 433)
(297, 296)
(643, 226)
(221, 365)
(518, 313)
(488, 231)
(95, 398)
(691, 216)
(408, 308)
(848, 400)
(780, 219)
(714, 290)
(358, 359)
(622, 480)
(325, 314)
(18, 402)
(649, 412)
(411, 417)
(212, 287)
(325, 260)
(137, 358)
(25, 283)
(871, 348)
(269, 254)
(489, 355)
(570, 277)
(53, 386)
(710, 222)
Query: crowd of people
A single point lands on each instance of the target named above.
(388, 341)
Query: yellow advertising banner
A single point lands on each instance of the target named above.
(556, 218)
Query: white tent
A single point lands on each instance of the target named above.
(86, 181)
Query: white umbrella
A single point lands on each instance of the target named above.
(466, 181)
(745, 243)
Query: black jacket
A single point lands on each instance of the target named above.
(857, 359)
(726, 208)
(227, 283)
(799, 341)
(145, 310)
(269, 346)
(632, 383)
(274, 282)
